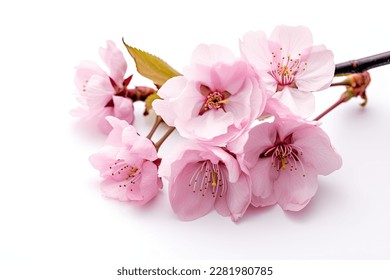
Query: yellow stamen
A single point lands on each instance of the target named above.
(133, 170)
(225, 101)
(284, 161)
(214, 178)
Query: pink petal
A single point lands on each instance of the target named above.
(238, 197)
(203, 127)
(317, 149)
(128, 136)
(177, 159)
(102, 123)
(144, 148)
(84, 71)
(199, 73)
(237, 145)
(172, 103)
(263, 176)
(189, 205)
(222, 207)
(229, 77)
(254, 48)
(103, 159)
(98, 92)
(275, 107)
(115, 62)
(130, 158)
(148, 186)
(293, 190)
(258, 99)
(241, 104)
(300, 103)
(292, 40)
(110, 188)
(319, 70)
(123, 108)
(173, 87)
(212, 54)
(163, 108)
(233, 170)
(190, 101)
(260, 138)
(115, 136)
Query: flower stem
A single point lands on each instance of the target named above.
(342, 83)
(165, 136)
(335, 105)
(155, 125)
(362, 64)
(140, 93)
(356, 85)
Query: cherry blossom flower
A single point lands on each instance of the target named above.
(202, 178)
(215, 101)
(284, 159)
(290, 65)
(102, 94)
(127, 164)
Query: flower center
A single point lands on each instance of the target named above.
(285, 156)
(214, 99)
(119, 90)
(124, 173)
(209, 176)
(284, 69)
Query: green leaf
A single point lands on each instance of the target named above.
(151, 66)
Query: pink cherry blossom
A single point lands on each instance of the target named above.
(290, 65)
(202, 178)
(284, 159)
(127, 164)
(215, 101)
(102, 94)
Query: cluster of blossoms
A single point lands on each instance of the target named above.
(248, 140)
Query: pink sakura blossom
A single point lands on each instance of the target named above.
(102, 94)
(284, 159)
(127, 164)
(203, 177)
(215, 101)
(291, 67)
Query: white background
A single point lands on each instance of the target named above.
(54, 222)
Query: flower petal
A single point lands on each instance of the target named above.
(148, 186)
(103, 159)
(203, 127)
(98, 92)
(144, 148)
(263, 176)
(229, 77)
(110, 188)
(84, 71)
(254, 48)
(319, 70)
(123, 108)
(238, 197)
(189, 205)
(212, 54)
(317, 149)
(260, 138)
(173, 87)
(293, 190)
(292, 40)
(115, 62)
(299, 102)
